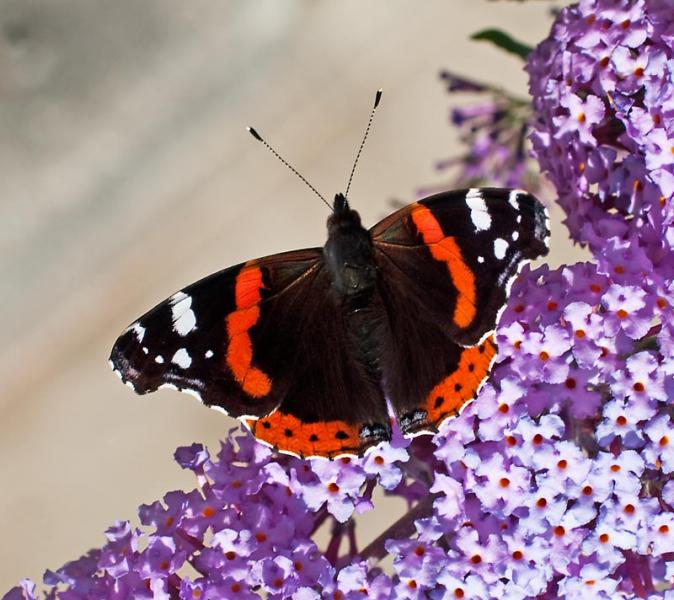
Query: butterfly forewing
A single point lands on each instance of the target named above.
(198, 339)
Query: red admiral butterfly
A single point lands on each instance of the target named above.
(307, 346)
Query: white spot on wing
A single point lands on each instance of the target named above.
(138, 329)
(194, 393)
(159, 359)
(480, 259)
(184, 319)
(182, 359)
(478, 210)
(177, 297)
(500, 248)
(209, 353)
(145, 350)
(512, 198)
(516, 235)
(114, 369)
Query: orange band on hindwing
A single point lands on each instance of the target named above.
(458, 388)
(286, 432)
(239, 355)
(445, 249)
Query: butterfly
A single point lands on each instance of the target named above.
(307, 347)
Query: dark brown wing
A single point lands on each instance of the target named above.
(261, 339)
(446, 266)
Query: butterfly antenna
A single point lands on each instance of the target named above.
(259, 138)
(377, 98)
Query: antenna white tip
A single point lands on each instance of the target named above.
(377, 98)
(254, 133)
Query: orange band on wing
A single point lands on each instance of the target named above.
(239, 354)
(444, 249)
(248, 286)
(460, 387)
(287, 433)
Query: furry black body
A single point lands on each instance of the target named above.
(348, 255)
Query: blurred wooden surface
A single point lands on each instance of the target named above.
(126, 173)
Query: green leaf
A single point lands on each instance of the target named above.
(503, 40)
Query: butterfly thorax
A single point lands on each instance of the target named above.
(348, 254)
(349, 260)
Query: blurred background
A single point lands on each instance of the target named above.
(126, 173)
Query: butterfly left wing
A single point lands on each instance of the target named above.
(446, 265)
(261, 341)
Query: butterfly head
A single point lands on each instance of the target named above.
(342, 217)
(340, 204)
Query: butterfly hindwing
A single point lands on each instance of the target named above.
(446, 264)
(260, 341)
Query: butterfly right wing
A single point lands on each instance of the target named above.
(198, 340)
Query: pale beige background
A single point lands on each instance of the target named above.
(126, 172)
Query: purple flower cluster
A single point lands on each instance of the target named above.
(604, 100)
(558, 481)
(245, 531)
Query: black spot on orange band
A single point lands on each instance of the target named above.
(454, 391)
(287, 433)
